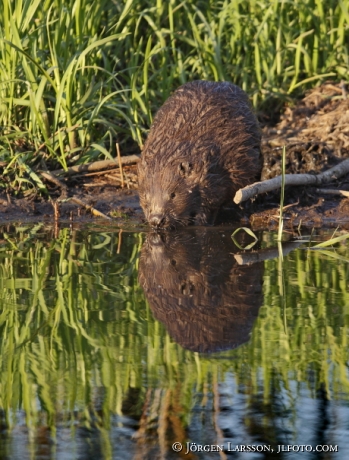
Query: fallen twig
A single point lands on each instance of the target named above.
(94, 211)
(120, 165)
(332, 191)
(56, 210)
(292, 179)
(95, 184)
(50, 177)
(97, 166)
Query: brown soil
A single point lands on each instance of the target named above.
(315, 132)
(316, 135)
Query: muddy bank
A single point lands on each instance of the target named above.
(120, 206)
(315, 132)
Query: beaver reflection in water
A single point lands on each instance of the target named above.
(203, 145)
(195, 286)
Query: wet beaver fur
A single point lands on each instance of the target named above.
(203, 145)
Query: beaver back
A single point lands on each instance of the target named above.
(203, 145)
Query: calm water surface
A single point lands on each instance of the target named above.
(117, 345)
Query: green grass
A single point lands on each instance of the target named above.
(76, 77)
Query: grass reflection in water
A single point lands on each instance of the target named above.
(87, 372)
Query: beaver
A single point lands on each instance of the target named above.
(194, 285)
(203, 145)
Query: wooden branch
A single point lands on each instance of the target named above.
(292, 179)
(327, 191)
(50, 177)
(120, 165)
(97, 166)
(93, 210)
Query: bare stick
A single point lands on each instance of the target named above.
(120, 165)
(292, 179)
(119, 241)
(50, 177)
(56, 210)
(327, 191)
(344, 89)
(97, 166)
(93, 210)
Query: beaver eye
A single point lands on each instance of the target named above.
(172, 195)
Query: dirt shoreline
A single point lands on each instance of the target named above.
(316, 135)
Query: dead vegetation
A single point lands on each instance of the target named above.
(315, 132)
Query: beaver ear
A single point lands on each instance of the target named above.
(185, 168)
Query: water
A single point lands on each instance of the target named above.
(117, 345)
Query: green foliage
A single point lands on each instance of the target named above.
(78, 76)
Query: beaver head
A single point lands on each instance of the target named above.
(169, 195)
(180, 188)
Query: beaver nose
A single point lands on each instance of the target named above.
(156, 220)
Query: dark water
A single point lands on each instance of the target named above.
(118, 345)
